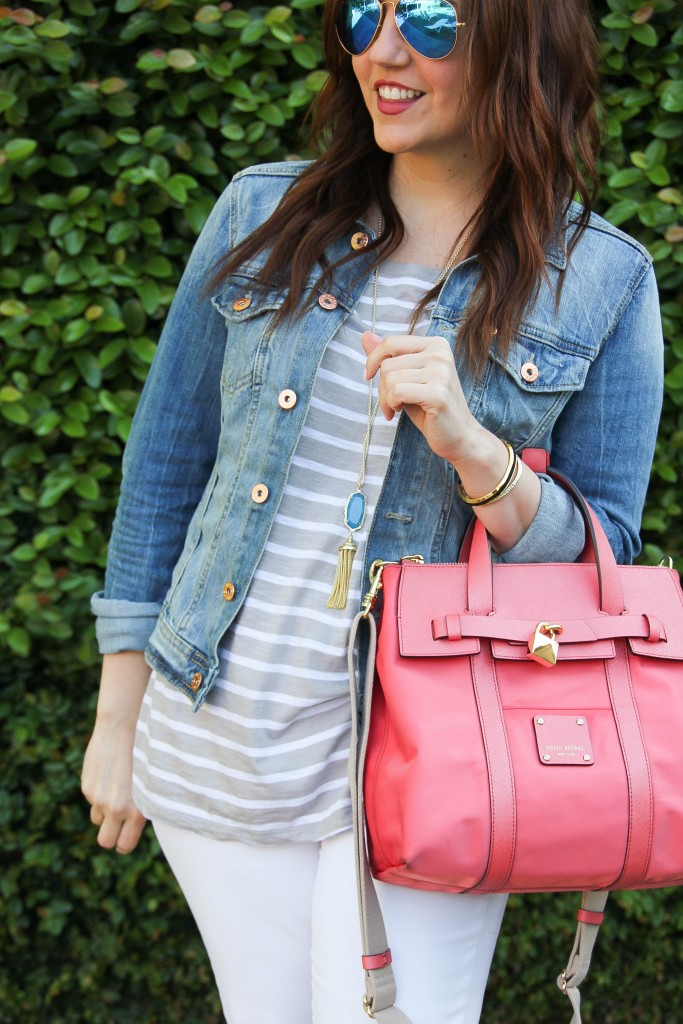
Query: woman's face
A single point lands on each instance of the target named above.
(416, 104)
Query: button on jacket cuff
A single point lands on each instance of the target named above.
(556, 533)
(123, 625)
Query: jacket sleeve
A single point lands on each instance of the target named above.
(604, 439)
(171, 450)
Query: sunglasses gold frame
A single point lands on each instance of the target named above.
(393, 3)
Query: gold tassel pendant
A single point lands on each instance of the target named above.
(342, 577)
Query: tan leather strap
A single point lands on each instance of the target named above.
(590, 918)
(380, 984)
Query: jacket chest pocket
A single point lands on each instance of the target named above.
(249, 313)
(523, 394)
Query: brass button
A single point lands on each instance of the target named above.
(229, 591)
(529, 372)
(241, 304)
(259, 494)
(359, 240)
(327, 301)
(287, 399)
(196, 681)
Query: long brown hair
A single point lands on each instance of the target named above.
(531, 87)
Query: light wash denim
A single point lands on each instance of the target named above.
(209, 428)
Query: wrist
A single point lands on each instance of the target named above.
(124, 680)
(482, 461)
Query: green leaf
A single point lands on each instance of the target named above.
(36, 283)
(277, 15)
(671, 97)
(19, 641)
(131, 136)
(149, 294)
(7, 100)
(46, 423)
(87, 487)
(159, 266)
(208, 14)
(24, 553)
(13, 307)
(20, 149)
(656, 152)
(144, 349)
(181, 59)
(89, 368)
(10, 394)
(645, 34)
(15, 413)
(272, 115)
(670, 195)
(53, 29)
(75, 330)
(625, 177)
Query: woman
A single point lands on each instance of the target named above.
(429, 260)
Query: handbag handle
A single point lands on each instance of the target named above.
(597, 551)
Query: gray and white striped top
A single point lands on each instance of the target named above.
(264, 761)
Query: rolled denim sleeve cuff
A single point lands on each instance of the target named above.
(557, 532)
(123, 625)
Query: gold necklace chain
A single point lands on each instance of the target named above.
(356, 506)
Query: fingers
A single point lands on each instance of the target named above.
(378, 350)
(106, 785)
(118, 829)
(410, 350)
(129, 835)
(414, 371)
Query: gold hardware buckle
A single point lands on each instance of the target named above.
(367, 1006)
(543, 647)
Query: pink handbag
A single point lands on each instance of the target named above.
(521, 733)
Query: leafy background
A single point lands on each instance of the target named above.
(121, 123)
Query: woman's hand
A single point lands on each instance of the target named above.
(419, 375)
(106, 779)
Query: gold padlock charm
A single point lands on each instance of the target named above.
(543, 646)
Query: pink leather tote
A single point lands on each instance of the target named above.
(521, 733)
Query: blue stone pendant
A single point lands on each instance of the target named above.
(356, 506)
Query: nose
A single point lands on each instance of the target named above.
(389, 47)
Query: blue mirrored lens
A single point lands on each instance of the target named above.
(357, 24)
(429, 26)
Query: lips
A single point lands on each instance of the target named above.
(395, 97)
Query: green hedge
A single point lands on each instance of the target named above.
(121, 122)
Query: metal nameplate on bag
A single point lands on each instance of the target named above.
(563, 739)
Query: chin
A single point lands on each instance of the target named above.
(395, 142)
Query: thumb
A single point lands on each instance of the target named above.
(370, 341)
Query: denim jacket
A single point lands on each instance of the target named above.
(211, 440)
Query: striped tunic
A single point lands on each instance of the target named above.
(265, 758)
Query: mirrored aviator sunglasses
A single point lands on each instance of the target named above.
(430, 27)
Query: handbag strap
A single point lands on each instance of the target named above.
(380, 983)
(590, 917)
(597, 551)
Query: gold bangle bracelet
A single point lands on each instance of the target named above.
(519, 467)
(500, 487)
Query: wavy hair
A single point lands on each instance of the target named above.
(531, 90)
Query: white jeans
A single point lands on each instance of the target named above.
(280, 925)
